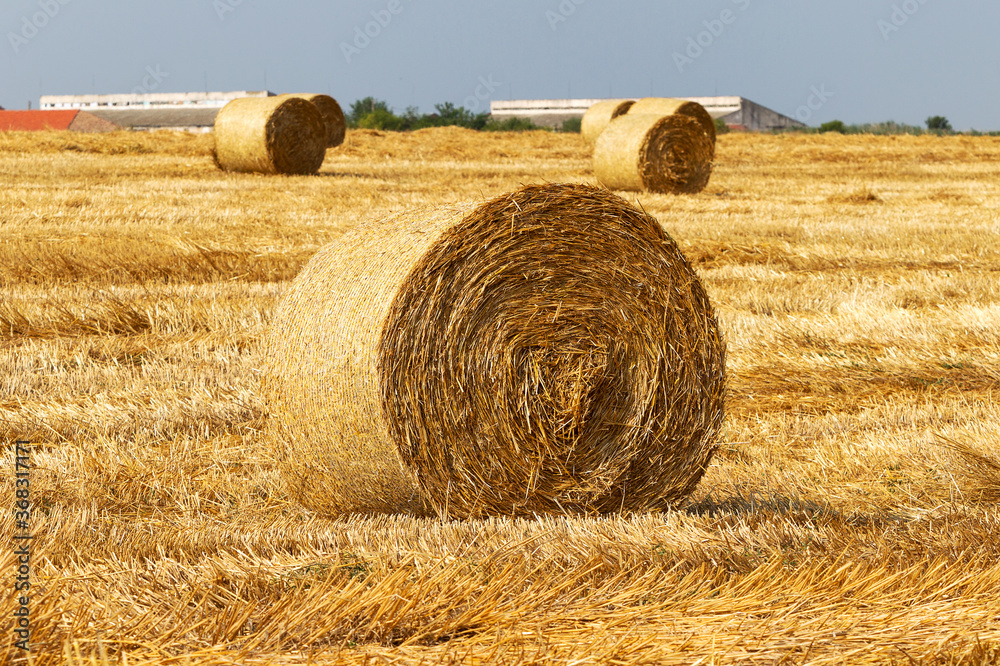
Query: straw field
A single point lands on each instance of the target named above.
(850, 515)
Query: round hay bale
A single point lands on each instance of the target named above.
(270, 135)
(665, 106)
(597, 117)
(668, 154)
(549, 351)
(333, 116)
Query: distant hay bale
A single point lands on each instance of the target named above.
(668, 154)
(270, 135)
(548, 351)
(333, 116)
(597, 117)
(665, 106)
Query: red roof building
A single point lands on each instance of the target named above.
(70, 119)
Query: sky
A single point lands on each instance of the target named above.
(815, 60)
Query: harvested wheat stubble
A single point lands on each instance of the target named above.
(666, 106)
(597, 117)
(668, 154)
(548, 351)
(270, 135)
(333, 116)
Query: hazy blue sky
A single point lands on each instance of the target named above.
(856, 60)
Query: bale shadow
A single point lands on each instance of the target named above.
(347, 174)
(757, 502)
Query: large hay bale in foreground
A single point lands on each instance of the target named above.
(597, 117)
(669, 154)
(333, 116)
(548, 351)
(666, 106)
(270, 135)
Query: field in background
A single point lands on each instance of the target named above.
(851, 514)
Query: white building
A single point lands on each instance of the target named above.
(737, 112)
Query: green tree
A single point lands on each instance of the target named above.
(363, 107)
(939, 123)
(833, 126)
(721, 127)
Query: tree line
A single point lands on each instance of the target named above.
(371, 113)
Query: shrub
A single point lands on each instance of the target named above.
(572, 125)
(834, 126)
(380, 119)
(509, 125)
(886, 128)
(721, 127)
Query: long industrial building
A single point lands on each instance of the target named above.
(737, 112)
(190, 112)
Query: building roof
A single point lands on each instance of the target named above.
(195, 99)
(74, 120)
(30, 121)
(139, 118)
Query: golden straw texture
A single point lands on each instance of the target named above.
(333, 116)
(665, 106)
(549, 351)
(669, 154)
(597, 117)
(270, 135)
